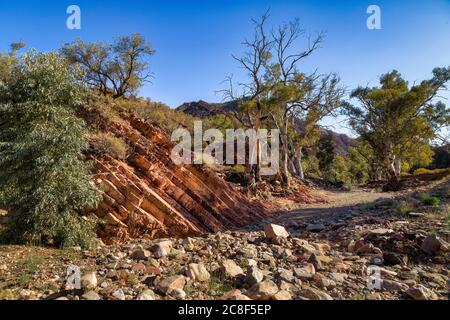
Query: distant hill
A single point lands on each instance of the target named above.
(342, 142)
(205, 109)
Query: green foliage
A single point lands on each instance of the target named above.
(166, 117)
(326, 152)
(447, 217)
(70, 253)
(421, 171)
(311, 167)
(28, 268)
(44, 180)
(219, 283)
(358, 167)
(404, 208)
(339, 172)
(9, 294)
(368, 206)
(398, 122)
(8, 60)
(132, 280)
(430, 200)
(278, 95)
(118, 68)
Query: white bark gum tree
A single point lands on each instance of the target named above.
(278, 91)
(393, 117)
(251, 112)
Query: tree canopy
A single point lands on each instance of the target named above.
(120, 68)
(399, 122)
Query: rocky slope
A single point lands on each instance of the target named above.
(147, 195)
(315, 258)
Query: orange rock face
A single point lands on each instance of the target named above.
(148, 196)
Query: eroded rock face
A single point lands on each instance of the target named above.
(148, 196)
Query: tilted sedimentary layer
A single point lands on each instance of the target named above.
(147, 195)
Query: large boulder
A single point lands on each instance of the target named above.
(274, 231)
(264, 290)
(89, 281)
(167, 285)
(419, 292)
(198, 272)
(230, 268)
(254, 276)
(431, 244)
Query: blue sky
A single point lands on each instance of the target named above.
(195, 39)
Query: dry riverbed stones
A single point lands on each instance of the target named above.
(371, 256)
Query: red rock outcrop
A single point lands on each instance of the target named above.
(147, 195)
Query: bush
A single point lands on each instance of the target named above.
(311, 167)
(404, 208)
(338, 172)
(44, 179)
(430, 201)
(111, 145)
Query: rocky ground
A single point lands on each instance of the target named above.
(319, 252)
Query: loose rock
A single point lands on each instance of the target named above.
(274, 231)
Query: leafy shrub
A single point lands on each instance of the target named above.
(338, 172)
(111, 145)
(404, 207)
(311, 167)
(44, 179)
(429, 200)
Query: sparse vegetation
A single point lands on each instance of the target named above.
(132, 280)
(278, 237)
(28, 267)
(218, 285)
(111, 145)
(404, 207)
(430, 200)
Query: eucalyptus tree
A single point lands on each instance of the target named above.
(252, 95)
(118, 69)
(397, 120)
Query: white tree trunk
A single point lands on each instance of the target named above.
(298, 164)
